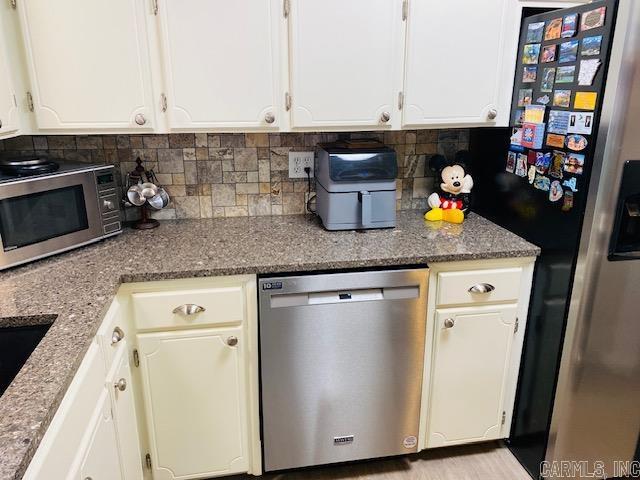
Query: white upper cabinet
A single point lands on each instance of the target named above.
(459, 62)
(88, 64)
(345, 63)
(221, 63)
(9, 122)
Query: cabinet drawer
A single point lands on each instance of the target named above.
(188, 308)
(455, 288)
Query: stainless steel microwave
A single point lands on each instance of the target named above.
(48, 214)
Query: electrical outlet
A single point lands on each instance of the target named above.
(297, 163)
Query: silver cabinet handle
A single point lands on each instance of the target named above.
(449, 322)
(117, 335)
(269, 117)
(0, 123)
(139, 119)
(232, 341)
(385, 117)
(491, 114)
(121, 385)
(188, 309)
(482, 288)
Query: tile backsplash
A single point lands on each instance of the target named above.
(215, 175)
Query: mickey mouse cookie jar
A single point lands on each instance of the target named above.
(450, 202)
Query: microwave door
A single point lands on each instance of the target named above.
(45, 215)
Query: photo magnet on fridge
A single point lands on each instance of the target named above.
(529, 74)
(569, 25)
(516, 136)
(574, 163)
(566, 74)
(555, 191)
(534, 113)
(531, 157)
(591, 46)
(558, 122)
(543, 162)
(532, 173)
(588, 70)
(585, 100)
(568, 201)
(531, 54)
(518, 117)
(548, 54)
(511, 161)
(521, 165)
(576, 142)
(543, 100)
(524, 96)
(534, 32)
(568, 51)
(554, 140)
(580, 122)
(554, 29)
(532, 135)
(542, 183)
(562, 98)
(593, 19)
(571, 183)
(548, 78)
(557, 163)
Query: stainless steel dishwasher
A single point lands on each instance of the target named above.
(341, 363)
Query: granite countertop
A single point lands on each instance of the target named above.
(75, 288)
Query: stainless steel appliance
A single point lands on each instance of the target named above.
(356, 185)
(341, 361)
(47, 213)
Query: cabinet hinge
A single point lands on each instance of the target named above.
(136, 358)
(147, 460)
(155, 6)
(15, 101)
(286, 6)
(405, 9)
(400, 100)
(517, 325)
(163, 102)
(504, 417)
(13, 3)
(30, 101)
(287, 101)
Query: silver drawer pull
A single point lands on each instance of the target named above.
(232, 341)
(449, 322)
(188, 309)
(482, 288)
(117, 335)
(121, 385)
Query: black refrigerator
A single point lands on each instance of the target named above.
(532, 178)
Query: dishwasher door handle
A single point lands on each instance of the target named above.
(280, 300)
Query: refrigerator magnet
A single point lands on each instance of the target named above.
(593, 19)
(543, 100)
(541, 182)
(559, 122)
(524, 96)
(591, 46)
(529, 74)
(531, 157)
(574, 163)
(557, 164)
(562, 98)
(532, 134)
(567, 204)
(543, 160)
(548, 78)
(534, 32)
(548, 54)
(588, 70)
(532, 174)
(516, 136)
(569, 25)
(576, 142)
(568, 51)
(580, 122)
(518, 117)
(566, 74)
(511, 161)
(531, 54)
(534, 113)
(555, 140)
(555, 191)
(521, 165)
(554, 29)
(585, 100)
(571, 183)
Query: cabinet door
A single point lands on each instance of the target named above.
(124, 411)
(221, 62)
(345, 58)
(455, 70)
(100, 460)
(195, 388)
(471, 362)
(8, 110)
(88, 64)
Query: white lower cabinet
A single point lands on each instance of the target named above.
(195, 401)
